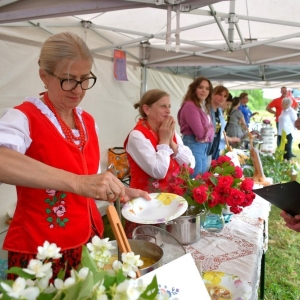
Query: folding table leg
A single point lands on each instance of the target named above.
(262, 276)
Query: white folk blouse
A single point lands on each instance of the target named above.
(155, 162)
(14, 126)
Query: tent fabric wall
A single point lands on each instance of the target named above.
(175, 86)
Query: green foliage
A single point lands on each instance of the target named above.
(256, 99)
(282, 275)
(84, 287)
(151, 291)
(273, 166)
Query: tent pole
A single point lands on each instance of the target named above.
(144, 80)
(230, 23)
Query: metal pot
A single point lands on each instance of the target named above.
(146, 249)
(185, 228)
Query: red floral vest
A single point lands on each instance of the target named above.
(142, 180)
(56, 216)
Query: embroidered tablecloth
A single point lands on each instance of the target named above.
(239, 247)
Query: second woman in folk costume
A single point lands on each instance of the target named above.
(154, 149)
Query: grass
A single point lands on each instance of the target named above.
(282, 276)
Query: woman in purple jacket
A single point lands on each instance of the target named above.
(195, 121)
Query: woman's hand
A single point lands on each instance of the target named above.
(134, 193)
(233, 139)
(107, 187)
(166, 130)
(204, 140)
(297, 123)
(291, 222)
(104, 186)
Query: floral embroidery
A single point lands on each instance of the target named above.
(56, 208)
(153, 185)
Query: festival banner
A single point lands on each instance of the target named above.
(120, 65)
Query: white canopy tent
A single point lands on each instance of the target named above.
(249, 43)
(240, 44)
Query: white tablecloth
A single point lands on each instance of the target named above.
(239, 247)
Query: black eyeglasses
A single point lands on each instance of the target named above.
(71, 84)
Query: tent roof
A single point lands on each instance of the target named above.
(249, 43)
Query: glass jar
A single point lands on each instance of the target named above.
(212, 222)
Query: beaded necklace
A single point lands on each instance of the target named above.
(65, 128)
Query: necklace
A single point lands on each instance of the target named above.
(65, 128)
(152, 131)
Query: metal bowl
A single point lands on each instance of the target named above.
(146, 249)
(173, 249)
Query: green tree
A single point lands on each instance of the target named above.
(256, 99)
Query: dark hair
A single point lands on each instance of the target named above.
(243, 95)
(235, 102)
(218, 90)
(229, 98)
(149, 98)
(191, 93)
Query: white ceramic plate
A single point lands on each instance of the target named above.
(161, 208)
(240, 290)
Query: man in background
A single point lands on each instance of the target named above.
(245, 109)
(276, 104)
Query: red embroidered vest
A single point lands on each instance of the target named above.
(142, 180)
(56, 216)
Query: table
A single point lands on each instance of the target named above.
(238, 249)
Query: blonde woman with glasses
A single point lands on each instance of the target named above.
(49, 150)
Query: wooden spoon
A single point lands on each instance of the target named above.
(119, 232)
(229, 148)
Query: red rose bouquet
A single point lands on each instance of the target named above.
(222, 185)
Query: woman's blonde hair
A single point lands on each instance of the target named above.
(149, 98)
(63, 48)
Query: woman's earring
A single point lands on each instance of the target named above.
(46, 86)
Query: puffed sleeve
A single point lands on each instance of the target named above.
(155, 162)
(14, 130)
(184, 155)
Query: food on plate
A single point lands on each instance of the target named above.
(146, 260)
(218, 292)
(243, 158)
(223, 286)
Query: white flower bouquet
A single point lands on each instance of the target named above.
(90, 281)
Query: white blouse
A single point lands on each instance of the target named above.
(14, 126)
(155, 162)
(286, 121)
